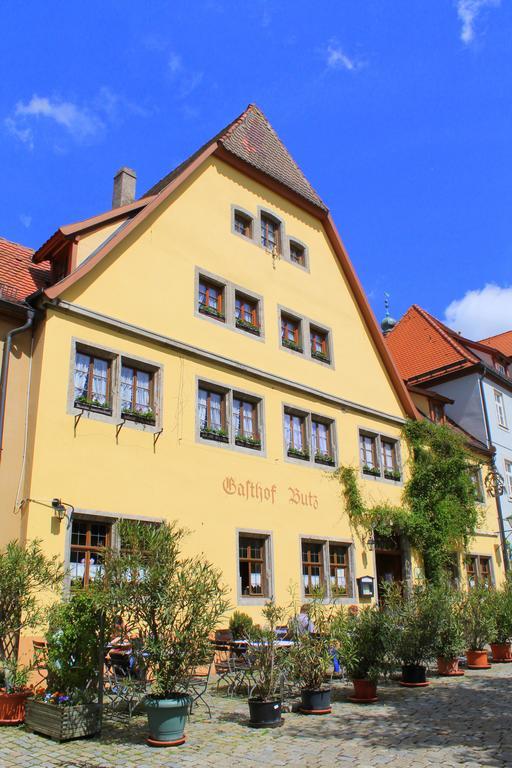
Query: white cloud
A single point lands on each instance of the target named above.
(83, 124)
(481, 313)
(337, 59)
(25, 219)
(174, 63)
(468, 11)
(184, 78)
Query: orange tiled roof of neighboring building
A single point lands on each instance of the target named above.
(502, 342)
(420, 344)
(18, 276)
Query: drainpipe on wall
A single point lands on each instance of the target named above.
(504, 547)
(5, 369)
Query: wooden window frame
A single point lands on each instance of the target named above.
(262, 560)
(315, 448)
(474, 568)
(436, 409)
(152, 383)
(308, 564)
(379, 470)
(247, 221)
(254, 306)
(218, 313)
(290, 322)
(346, 567)
(324, 355)
(295, 452)
(211, 390)
(294, 245)
(363, 451)
(88, 548)
(93, 355)
(267, 219)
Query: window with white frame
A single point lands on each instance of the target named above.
(326, 569)
(309, 437)
(475, 475)
(508, 477)
(500, 408)
(137, 393)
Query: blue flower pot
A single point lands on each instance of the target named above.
(166, 720)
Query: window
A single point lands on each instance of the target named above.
(212, 415)
(339, 570)
(436, 411)
(379, 456)
(88, 542)
(368, 447)
(270, 233)
(508, 476)
(478, 570)
(241, 428)
(92, 382)
(312, 567)
(295, 435)
(60, 268)
(245, 423)
(291, 336)
(243, 224)
(252, 565)
(321, 442)
(297, 253)
(476, 478)
(500, 367)
(326, 567)
(319, 344)
(246, 313)
(500, 408)
(137, 396)
(211, 299)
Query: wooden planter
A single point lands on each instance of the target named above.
(12, 707)
(62, 723)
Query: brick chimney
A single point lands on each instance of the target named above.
(124, 187)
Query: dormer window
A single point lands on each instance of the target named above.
(60, 268)
(437, 411)
(242, 224)
(500, 367)
(270, 233)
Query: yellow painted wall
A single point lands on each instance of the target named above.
(90, 241)
(11, 464)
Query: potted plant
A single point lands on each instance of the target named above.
(298, 453)
(373, 471)
(502, 634)
(248, 441)
(479, 626)
(449, 630)
(324, 458)
(14, 693)
(175, 602)
(292, 345)
(392, 474)
(248, 326)
(214, 433)
(241, 625)
(25, 572)
(68, 708)
(364, 651)
(311, 656)
(267, 664)
(412, 631)
(146, 416)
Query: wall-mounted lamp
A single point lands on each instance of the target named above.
(59, 509)
(370, 544)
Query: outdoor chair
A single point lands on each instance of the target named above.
(198, 683)
(124, 685)
(40, 659)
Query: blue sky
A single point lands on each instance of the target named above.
(398, 111)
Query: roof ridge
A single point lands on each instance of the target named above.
(446, 333)
(495, 336)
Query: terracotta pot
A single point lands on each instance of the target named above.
(12, 707)
(448, 667)
(365, 692)
(477, 660)
(501, 652)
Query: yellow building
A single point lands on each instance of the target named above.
(206, 354)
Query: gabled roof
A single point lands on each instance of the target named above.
(252, 146)
(252, 139)
(18, 276)
(422, 346)
(502, 342)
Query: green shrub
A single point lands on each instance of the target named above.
(365, 644)
(501, 601)
(479, 618)
(448, 622)
(309, 659)
(412, 625)
(268, 660)
(240, 625)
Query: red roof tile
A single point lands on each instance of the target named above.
(502, 342)
(18, 276)
(251, 138)
(420, 345)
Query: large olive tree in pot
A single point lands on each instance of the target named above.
(175, 603)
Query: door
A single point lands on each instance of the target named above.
(389, 569)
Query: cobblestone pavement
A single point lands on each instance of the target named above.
(462, 721)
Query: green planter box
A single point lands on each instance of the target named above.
(62, 723)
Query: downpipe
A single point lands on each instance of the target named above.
(4, 374)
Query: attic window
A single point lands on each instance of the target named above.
(270, 233)
(297, 253)
(436, 411)
(60, 268)
(242, 224)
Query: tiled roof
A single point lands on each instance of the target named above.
(251, 138)
(502, 342)
(18, 276)
(420, 345)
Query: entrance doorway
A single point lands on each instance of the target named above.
(388, 561)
